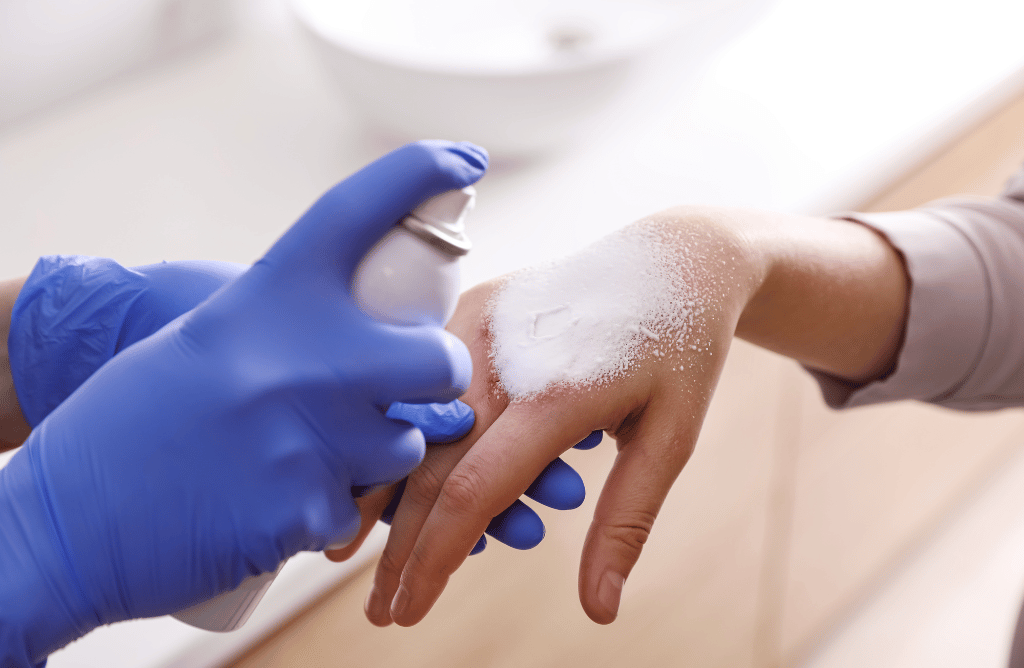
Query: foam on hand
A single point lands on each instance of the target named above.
(591, 317)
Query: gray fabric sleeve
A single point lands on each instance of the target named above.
(964, 343)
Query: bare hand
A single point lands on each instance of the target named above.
(654, 411)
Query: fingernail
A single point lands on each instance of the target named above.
(609, 591)
(374, 606)
(401, 602)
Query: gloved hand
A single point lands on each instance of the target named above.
(75, 312)
(228, 440)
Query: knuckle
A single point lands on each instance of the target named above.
(630, 534)
(463, 491)
(418, 562)
(423, 486)
(420, 566)
(390, 565)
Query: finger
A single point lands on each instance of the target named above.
(647, 465)
(173, 288)
(425, 482)
(330, 517)
(440, 423)
(338, 230)
(418, 495)
(371, 505)
(398, 448)
(482, 484)
(388, 515)
(558, 486)
(418, 365)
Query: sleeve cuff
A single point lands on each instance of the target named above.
(948, 312)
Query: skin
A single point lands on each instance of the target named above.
(830, 294)
(13, 427)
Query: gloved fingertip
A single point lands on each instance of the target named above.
(440, 423)
(346, 533)
(475, 155)
(479, 547)
(517, 526)
(590, 441)
(461, 421)
(558, 486)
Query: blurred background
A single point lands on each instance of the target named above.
(146, 130)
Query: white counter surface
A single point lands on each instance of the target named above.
(810, 108)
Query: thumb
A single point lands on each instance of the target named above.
(351, 217)
(643, 473)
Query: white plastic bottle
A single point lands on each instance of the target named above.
(411, 277)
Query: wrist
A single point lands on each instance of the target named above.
(834, 295)
(729, 253)
(40, 608)
(14, 429)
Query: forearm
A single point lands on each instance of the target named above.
(831, 294)
(834, 297)
(13, 427)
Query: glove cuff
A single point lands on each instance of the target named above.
(41, 606)
(65, 325)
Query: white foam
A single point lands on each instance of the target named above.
(589, 318)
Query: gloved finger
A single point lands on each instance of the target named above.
(517, 526)
(173, 288)
(590, 441)
(370, 505)
(558, 486)
(388, 514)
(648, 464)
(419, 365)
(338, 230)
(398, 451)
(440, 423)
(481, 545)
(329, 518)
(182, 285)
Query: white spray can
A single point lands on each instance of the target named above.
(411, 277)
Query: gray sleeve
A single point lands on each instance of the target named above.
(964, 343)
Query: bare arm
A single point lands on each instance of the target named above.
(13, 427)
(834, 295)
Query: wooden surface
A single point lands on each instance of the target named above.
(871, 483)
(786, 515)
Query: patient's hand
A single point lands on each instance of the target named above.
(629, 336)
(650, 393)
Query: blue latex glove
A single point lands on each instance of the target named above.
(229, 440)
(74, 313)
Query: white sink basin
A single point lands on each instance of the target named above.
(515, 76)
